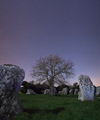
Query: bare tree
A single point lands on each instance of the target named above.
(52, 69)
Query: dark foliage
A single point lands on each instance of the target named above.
(38, 88)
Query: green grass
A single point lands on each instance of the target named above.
(46, 107)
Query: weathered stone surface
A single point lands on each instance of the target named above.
(86, 88)
(30, 92)
(98, 90)
(51, 91)
(46, 91)
(65, 91)
(11, 77)
(76, 91)
(71, 91)
(60, 93)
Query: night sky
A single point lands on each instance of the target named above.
(30, 29)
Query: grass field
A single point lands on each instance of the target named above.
(46, 107)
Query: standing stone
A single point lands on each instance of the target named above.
(98, 90)
(46, 91)
(60, 93)
(30, 92)
(11, 78)
(71, 91)
(65, 91)
(86, 88)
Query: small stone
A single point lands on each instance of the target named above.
(46, 91)
(60, 93)
(30, 92)
(71, 91)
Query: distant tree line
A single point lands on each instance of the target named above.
(39, 88)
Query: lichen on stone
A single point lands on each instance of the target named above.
(86, 88)
(11, 77)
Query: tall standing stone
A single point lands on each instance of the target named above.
(86, 88)
(11, 77)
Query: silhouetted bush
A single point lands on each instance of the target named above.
(75, 86)
(38, 88)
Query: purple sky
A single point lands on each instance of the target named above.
(30, 29)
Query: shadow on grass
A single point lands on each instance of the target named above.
(37, 110)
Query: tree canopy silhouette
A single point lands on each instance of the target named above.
(52, 69)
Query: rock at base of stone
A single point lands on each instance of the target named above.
(86, 88)
(46, 92)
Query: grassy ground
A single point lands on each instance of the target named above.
(45, 107)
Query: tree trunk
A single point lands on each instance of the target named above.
(51, 90)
